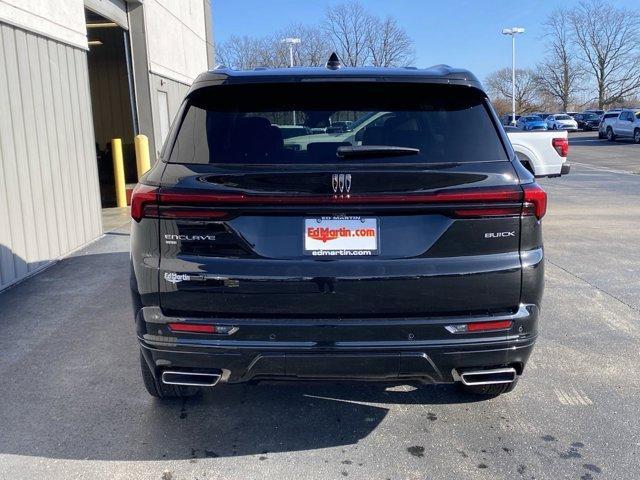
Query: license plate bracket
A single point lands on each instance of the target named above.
(341, 236)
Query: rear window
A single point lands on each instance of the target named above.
(308, 123)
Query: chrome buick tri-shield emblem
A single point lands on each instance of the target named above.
(341, 183)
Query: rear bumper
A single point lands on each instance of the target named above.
(306, 353)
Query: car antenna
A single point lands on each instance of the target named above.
(334, 62)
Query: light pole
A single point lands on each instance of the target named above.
(513, 31)
(291, 41)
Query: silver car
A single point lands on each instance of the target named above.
(561, 121)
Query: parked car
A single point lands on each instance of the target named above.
(543, 153)
(561, 121)
(626, 125)
(339, 127)
(353, 136)
(596, 111)
(436, 274)
(571, 114)
(288, 131)
(606, 120)
(531, 122)
(587, 121)
(507, 119)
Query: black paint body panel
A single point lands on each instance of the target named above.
(379, 317)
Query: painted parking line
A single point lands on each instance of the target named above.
(603, 169)
(572, 396)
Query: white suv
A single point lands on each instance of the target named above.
(608, 118)
(561, 121)
(627, 125)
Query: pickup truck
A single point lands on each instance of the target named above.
(543, 153)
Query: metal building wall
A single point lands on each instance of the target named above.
(166, 97)
(49, 193)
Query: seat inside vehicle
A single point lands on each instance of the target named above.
(255, 138)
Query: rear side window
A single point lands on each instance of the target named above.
(307, 123)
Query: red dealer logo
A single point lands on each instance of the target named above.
(326, 234)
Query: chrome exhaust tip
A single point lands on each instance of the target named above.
(190, 379)
(488, 377)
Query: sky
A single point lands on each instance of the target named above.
(460, 33)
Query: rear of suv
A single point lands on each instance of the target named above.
(407, 248)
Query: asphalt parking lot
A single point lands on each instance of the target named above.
(73, 405)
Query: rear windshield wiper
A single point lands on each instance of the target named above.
(375, 151)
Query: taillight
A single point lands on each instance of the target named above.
(535, 200)
(471, 195)
(489, 212)
(143, 198)
(188, 213)
(561, 145)
(198, 205)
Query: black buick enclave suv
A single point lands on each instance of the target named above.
(405, 247)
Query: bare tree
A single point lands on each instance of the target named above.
(559, 74)
(356, 35)
(240, 52)
(349, 27)
(499, 85)
(608, 42)
(389, 44)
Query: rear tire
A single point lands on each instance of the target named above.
(636, 135)
(489, 390)
(160, 390)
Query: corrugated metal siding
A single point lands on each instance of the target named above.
(49, 193)
(175, 93)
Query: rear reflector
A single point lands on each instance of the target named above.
(486, 326)
(192, 328)
(479, 326)
(561, 145)
(201, 328)
(535, 200)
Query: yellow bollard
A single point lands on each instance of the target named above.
(143, 163)
(118, 172)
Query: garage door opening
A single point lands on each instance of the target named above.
(112, 102)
